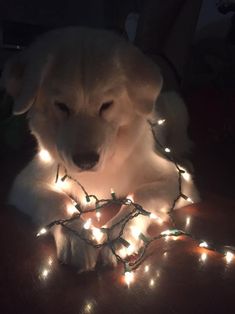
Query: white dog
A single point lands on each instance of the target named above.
(89, 94)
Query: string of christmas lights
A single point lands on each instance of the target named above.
(102, 237)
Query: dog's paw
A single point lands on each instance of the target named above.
(123, 243)
(124, 248)
(74, 251)
(127, 243)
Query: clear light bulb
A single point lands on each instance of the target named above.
(42, 231)
(130, 197)
(151, 282)
(45, 273)
(203, 257)
(229, 256)
(156, 218)
(129, 277)
(98, 215)
(166, 232)
(87, 224)
(190, 200)
(146, 268)
(44, 155)
(188, 221)
(161, 121)
(204, 244)
(63, 185)
(98, 234)
(71, 209)
(135, 232)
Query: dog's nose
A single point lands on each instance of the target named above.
(87, 160)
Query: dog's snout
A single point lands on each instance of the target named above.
(87, 160)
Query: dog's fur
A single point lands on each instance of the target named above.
(85, 69)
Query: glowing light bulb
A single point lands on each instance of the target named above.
(166, 232)
(146, 268)
(190, 200)
(87, 224)
(129, 277)
(155, 217)
(45, 156)
(63, 185)
(161, 121)
(135, 232)
(229, 256)
(50, 261)
(71, 209)
(187, 198)
(42, 231)
(45, 273)
(98, 234)
(151, 282)
(203, 257)
(130, 250)
(122, 252)
(167, 150)
(131, 198)
(188, 221)
(204, 244)
(88, 307)
(98, 215)
(187, 176)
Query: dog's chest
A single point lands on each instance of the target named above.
(101, 185)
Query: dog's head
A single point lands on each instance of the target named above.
(86, 93)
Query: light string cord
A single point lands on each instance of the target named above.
(114, 243)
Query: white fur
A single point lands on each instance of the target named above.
(85, 68)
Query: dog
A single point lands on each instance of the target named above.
(89, 95)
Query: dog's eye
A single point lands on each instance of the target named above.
(62, 107)
(105, 106)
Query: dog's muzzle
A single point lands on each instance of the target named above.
(86, 161)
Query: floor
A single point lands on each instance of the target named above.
(181, 277)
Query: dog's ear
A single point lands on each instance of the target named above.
(144, 80)
(22, 77)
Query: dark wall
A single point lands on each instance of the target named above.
(52, 12)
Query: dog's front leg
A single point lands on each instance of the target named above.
(153, 198)
(71, 249)
(34, 195)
